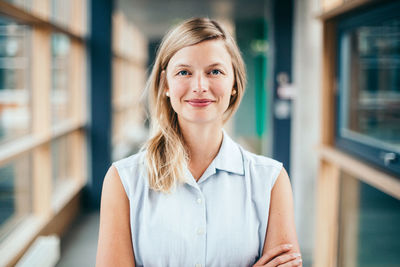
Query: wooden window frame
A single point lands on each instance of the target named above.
(362, 150)
(335, 164)
(49, 215)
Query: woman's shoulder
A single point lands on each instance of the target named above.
(262, 169)
(259, 160)
(130, 161)
(130, 170)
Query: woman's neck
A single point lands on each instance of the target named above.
(203, 143)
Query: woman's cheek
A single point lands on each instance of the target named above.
(178, 89)
(177, 93)
(223, 93)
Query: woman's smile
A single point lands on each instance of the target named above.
(200, 102)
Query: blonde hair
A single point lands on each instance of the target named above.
(166, 155)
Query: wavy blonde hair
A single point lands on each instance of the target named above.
(166, 155)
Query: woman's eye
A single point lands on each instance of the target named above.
(183, 73)
(215, 72)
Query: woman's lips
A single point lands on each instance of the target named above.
(199, 102)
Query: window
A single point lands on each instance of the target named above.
(22, 3)
(61, 161)
(42, 118)
(60, 54)
(368, 118)
(368, 231)
(15, 193)
(61, 11)
(15, 104)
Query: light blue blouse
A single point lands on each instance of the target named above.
(221, 220)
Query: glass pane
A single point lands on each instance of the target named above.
(61, 11)
(22, 3)
(370, 72)
(15, 117)
(60, 98)
(369, 229)
(61, 160)
(15, 193)
(84, 7)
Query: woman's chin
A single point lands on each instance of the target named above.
(201, 120)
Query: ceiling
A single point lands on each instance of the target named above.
(155, 17)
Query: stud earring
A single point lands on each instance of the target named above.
(233, 92)
(167, 94)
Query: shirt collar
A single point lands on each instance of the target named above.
(229, 157)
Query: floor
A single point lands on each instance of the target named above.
(79, 245)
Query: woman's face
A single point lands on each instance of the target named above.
(200, 81)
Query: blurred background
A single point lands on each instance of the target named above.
(323, 97)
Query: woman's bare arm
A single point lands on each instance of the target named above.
(115, 243)
(281, 227)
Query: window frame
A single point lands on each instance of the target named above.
(51, 213)
(366, 152)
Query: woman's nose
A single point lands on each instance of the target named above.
(200, 84)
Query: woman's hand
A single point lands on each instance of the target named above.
(279, 256)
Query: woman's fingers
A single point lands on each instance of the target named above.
(272, 253)
(292, 263)
(286, 260)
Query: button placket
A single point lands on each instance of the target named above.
(200, 229)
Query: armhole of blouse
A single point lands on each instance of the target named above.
(121, 178)
(277, 171)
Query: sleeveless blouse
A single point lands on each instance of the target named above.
(220, 220)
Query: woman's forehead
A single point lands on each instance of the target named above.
(207, 53)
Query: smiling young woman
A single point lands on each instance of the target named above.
(192, 196)
(200, 83)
